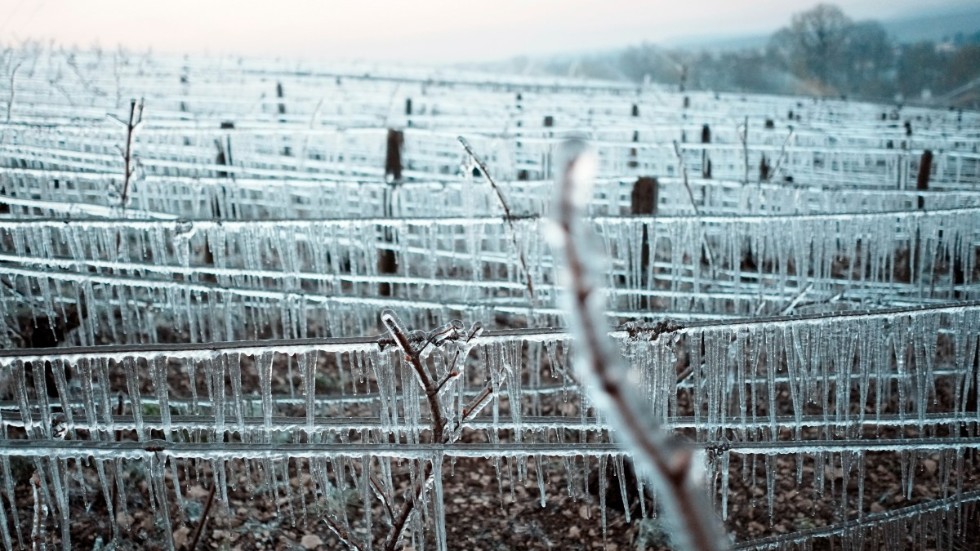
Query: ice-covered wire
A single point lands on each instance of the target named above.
(670, 468)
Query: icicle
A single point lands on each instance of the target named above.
(306, 364)
(237, 398)
(216, 393)
(271, 482)
(135, 401)
(539, 475)
(770, 486)
(264, 365)
(603, 488)
(175, 481)
(120, 490)
(287, 484)
(159, 372)
(4, 529)
(439, 503)
(725, 456)
(621, 475)
(162, 508)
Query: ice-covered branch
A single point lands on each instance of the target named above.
(671, 468)
(132, 125)
(13, 83)
(508, 216)
(412, 347)
(412, 353)
(694, 205)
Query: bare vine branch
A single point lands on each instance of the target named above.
(412, 346)
(782, 155)
(13, 83)
(129, 166)
(199, 529)
(744, 138)
(412, 353)
(508, 216)
(669, 467)
(40, 513)
(380, 494)
(344, 536)
(694, 205)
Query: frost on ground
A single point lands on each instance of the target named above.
(203, 358)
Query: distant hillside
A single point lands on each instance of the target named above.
(936, 27)
(888, 60)
(916, 27)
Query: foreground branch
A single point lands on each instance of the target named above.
(671, 469)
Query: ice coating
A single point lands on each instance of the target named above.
(227, 331)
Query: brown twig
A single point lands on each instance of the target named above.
(412, 354)
(508, 216)
(744, 138)
(694, 205)
(669, 468)
(379, 492)
(40, 511)
(13, 82)
(782, 155)
(477, 405)
(345, 537)
(129, 166)
(204, 517)
(398, 526)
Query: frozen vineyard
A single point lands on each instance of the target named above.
(192, 302)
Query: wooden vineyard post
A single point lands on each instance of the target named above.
(282, 104)
(184, 89)
(393, 156)
(223, 158)
(387, 263)
(705, 159)
(921, 185)
(643, 202)
(922, 181)
(287, 151)
(549, 122)
(633, 161)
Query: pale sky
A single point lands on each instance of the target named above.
(428, 31)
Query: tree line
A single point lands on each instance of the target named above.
(821, 52)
